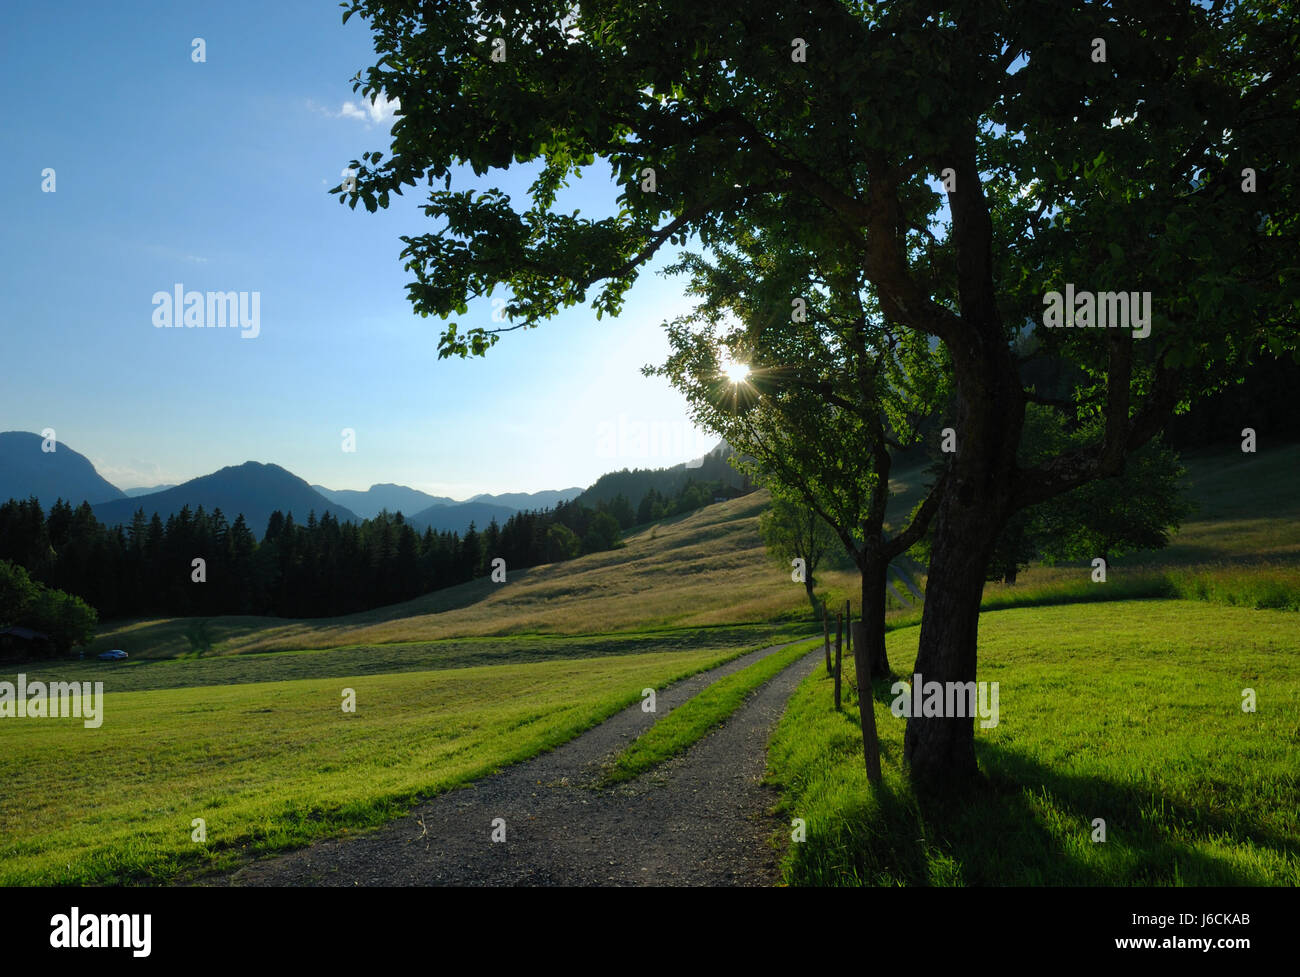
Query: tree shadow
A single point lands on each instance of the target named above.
(1021, 822)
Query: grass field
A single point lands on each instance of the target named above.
(167, 673)
(1129, 711)
(272, 765)
(1118, 700)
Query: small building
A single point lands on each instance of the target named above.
(726, 493)
(19, 643)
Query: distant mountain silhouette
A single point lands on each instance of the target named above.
(26, 470)
(633, 484)
(148, 490)
(394, 498)
(254, 489)
(530, 500)
(458, 517)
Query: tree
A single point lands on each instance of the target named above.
(830, 392)
(622, 511)
(1135, 510)
(796, 532)
(1111, 517)
(17, 592)
(562, 543)
(68, 620)
(645, 512)
(603, 534)
(1157, 163)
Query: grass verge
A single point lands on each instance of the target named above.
(1130, 712)
(680, 729)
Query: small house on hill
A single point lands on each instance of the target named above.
(18, 643)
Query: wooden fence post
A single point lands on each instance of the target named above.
(839, 634)
(866, 704)
(837, 672)
(826, 633)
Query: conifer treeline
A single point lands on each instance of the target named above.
(319, 568)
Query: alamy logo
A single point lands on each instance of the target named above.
(948, 700)
(104, 931)
(1099, 310)
(651, 439)
(212, 310)
(53, 701)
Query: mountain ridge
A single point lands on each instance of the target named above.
(253, 489)
(27, 470)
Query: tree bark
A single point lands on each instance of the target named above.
(874, 576)
(940, 750)
(866, 706)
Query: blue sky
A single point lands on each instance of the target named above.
(214, 175)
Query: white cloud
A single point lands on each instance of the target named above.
(379, 110)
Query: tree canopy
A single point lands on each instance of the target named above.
(969, 163)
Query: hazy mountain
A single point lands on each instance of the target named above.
(26, 470)
(394, 498)
(633, 484)
(252, 488)
(148, 490)
(530, 500)
(458, 517)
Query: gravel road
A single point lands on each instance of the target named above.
(699, 819)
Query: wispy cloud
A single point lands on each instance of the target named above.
(379, 110)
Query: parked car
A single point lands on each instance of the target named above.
(116, 655)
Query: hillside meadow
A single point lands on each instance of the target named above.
(1120, 700)
(274, 765)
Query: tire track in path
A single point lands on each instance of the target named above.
(698, 819)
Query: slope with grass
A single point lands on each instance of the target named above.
(704, 569)
(1128, 711)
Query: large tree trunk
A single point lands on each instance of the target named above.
(873, 614)
(866, 703)
(941, 750)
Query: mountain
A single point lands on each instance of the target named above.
(26, 470)
(458, 517)
(634, 484)
(530, 500)
(394, 498)
(148, 490)
(252, 488)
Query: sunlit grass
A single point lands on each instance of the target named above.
(1126, 711)
(688, 723)
(275, 765)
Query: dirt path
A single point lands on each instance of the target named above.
(700, 819)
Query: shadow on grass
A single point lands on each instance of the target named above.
(1023, 823)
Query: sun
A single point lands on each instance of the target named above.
(734, 371)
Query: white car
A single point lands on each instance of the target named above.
(116, 655)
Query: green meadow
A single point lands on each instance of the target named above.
(274, 765)
(1127, 711)
(1119, 700)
